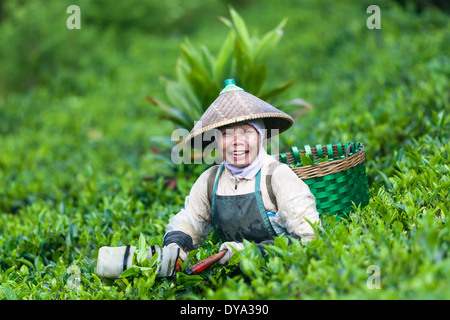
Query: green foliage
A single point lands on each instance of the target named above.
(306, 160)
(200, 75)
(75, 133)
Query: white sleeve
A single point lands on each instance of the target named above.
(295, 202)
(195, 218)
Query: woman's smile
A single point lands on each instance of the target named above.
(240, 155)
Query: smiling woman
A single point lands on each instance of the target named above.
(249, 196)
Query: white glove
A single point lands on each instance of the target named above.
(230, 246)
(167, 259)
(111, 261)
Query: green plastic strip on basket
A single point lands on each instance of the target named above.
(340, 198)
(339, 180)
(296, 155)
(308, 151)
(319, 151)
(340, 195)
(330, 152)
(339, 148)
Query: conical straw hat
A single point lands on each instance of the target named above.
(234, 105)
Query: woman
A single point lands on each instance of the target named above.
(242, 204)
(249, 196)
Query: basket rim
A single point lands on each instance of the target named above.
(329, 167)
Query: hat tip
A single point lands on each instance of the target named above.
(230, 85)
(229, 81)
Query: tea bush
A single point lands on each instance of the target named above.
(77, 171)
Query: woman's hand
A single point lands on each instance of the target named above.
(231, 247)
(168, 257)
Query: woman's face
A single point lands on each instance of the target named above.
(239, 144)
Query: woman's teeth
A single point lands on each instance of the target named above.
(238, 153)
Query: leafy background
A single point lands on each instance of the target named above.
(80, 166)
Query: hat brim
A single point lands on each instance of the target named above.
(235, 107)
(274, 125)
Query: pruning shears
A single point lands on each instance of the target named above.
(202, 265)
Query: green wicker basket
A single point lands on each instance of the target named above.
(339, 183)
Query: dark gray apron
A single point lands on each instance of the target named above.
(240, 217)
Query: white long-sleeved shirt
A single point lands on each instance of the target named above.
(294, 199)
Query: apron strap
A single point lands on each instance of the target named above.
(210, 181)
(262, 209)
(272, 167)
(214, 189)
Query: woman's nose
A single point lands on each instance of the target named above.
(238, 138)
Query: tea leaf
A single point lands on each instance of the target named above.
(306, 160)
(9, 292)
(142, 242)
(130, 272)
(141, 250)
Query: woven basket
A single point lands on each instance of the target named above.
(339, 183)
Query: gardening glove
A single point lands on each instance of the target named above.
(112, 261)
(230, 246)
(169, 259)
